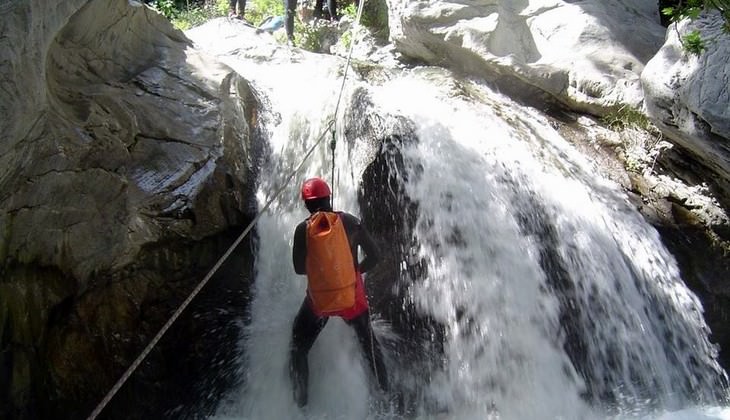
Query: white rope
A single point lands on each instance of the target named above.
(117, 386)
(200, 285)
(372, 350)
(339, 97)
(342, 89)
(349, 56)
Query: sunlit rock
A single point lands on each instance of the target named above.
(687, 95)
(588, 54)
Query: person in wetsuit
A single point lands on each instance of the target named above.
(308, 323)
(236, 14)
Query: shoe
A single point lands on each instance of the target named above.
(233, 15)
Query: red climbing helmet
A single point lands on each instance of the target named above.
(315, 188)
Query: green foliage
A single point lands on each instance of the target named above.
(641, 141)
(221, 7)
(258, 10)
(625, 117)
(309, 37)
(166, 7)
(346, 39)
(317, 36)
(375, 18)
(693, 43)
(690, 9)
(350, 10)
(185, 15)
(193, 16)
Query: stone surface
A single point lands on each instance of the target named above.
(123, 150)
(687, 96)
(586, 54)
(127, 165)
(679, 196)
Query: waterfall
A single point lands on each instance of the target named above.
(531, 254)
(556, 299)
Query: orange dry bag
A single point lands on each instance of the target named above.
(330, 268)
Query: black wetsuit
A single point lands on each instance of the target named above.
(241, 6)
(331, 9)
(307, 325)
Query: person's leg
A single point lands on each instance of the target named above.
(371, 348)
(318, 6)
(307, 327)
(291, 6)
(232, 7)
(332, 6)
(242, 7)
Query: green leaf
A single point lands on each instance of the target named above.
(693, 12)
(668, 11)
(693, 42)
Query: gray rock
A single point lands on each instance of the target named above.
(587, 54)
(121, 142)
(687, 95)
(137, 136)
(127, 161)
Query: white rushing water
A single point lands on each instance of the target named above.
(504, 204)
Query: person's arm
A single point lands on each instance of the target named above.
(360, 237)
(299, 249)
(372, 255)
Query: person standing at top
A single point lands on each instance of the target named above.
(331, 10)
(236, 14)
(325, 248)
(291, 8)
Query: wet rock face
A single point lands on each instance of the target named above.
(704, 265)
(684, 200)
(696, 232)
(390, 215)
(126, 161)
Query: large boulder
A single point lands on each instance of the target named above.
(587, 54)
(687, 95)
(125, 164)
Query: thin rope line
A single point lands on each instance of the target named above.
(349, 57)
(339, 97)
(372, 350)
(342, 89)
(230, 250)
(199, 287)
(332, 179)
